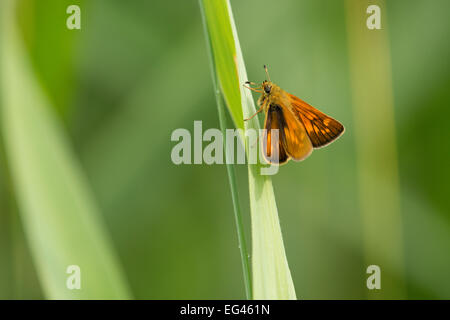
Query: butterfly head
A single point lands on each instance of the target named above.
(267, 87)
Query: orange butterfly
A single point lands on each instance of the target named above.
(300, 126)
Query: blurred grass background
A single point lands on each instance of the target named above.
(138, 70)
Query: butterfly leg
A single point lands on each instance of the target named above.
(253, 89)
(260, 109)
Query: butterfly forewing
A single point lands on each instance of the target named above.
(273, 121)
(321, 128)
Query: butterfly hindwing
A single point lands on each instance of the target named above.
(293, 136)
(293, 140)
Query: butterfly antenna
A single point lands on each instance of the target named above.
(267, 73)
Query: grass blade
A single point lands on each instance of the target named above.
(371, 80)
(60, 218)
(230, 169)
(271, 275)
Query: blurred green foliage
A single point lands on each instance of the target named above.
(138, 69)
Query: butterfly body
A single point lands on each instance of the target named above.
(301, 127)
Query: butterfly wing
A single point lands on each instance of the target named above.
(293, 140)
(321, 128)
(270, 153)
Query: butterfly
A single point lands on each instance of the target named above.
(300, 127)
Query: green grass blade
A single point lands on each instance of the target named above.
(371, 80)
(230, 169)
(60, 218)
(271, 275)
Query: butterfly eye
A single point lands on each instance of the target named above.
(267, 89)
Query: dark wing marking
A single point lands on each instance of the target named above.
(273, 121)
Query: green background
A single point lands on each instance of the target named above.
(139, 69)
